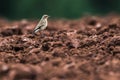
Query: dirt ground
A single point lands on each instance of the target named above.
(82, 49)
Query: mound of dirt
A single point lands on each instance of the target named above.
(83, 49)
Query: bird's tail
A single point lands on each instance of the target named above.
(35, 30)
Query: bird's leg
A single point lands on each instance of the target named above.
(42, 34)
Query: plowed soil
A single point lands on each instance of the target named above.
(82, 49)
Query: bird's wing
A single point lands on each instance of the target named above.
(39, 25)
(37, 28)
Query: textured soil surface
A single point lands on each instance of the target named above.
(83, 49)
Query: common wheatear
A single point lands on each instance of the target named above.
(42, 24)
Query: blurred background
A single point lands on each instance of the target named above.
(71, 9)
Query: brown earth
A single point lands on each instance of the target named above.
(83, 49)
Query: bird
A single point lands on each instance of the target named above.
(42, 24)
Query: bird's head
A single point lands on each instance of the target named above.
(45, 16)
